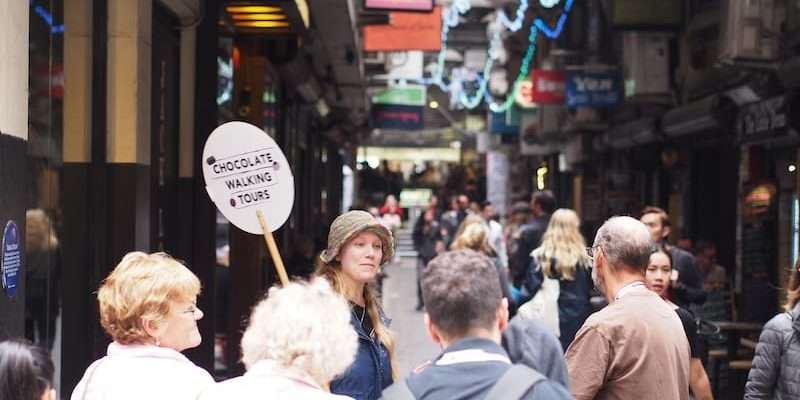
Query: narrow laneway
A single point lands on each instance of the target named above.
(413, 344)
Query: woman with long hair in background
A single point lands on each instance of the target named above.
(560, 264)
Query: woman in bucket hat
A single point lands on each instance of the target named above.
(358, 245)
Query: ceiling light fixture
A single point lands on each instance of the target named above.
(258, 17)
(252, 9)
(262, 24)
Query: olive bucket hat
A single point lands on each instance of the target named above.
(350, 224)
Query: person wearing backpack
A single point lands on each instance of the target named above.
(558, 283)
(465, 313)
(776, 365)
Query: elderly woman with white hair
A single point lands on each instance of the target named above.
(299, 339)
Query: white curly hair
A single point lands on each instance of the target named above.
(302, 326)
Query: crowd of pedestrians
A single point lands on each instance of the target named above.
(522, 312)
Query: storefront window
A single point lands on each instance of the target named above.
(43, 264)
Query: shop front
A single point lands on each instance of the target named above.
(768, 205)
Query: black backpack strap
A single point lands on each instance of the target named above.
(515, 383)
(398, 391)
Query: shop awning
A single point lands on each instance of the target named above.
(639, 132)
(693, 118)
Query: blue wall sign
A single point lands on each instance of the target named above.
(595, 90)
(504, 123)
(10, 259)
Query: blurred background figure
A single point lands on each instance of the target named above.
(391, 214)
(496, 237)
(298, 339)
(560, 266)
(542, 205)
(517, 217)
(474, 235)
(43, 278)
(26, 372)
(713, 275)
(428, 241)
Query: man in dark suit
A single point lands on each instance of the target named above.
(543, 203)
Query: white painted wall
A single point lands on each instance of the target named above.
(129, 81)
(77, 80)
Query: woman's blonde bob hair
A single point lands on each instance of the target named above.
(563, 241)
(303, 327)
(474, 236)
(142, 287)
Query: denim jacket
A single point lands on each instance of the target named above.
(371, 371)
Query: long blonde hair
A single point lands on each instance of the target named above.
(332, 272)
(564, 242)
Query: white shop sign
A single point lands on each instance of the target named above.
(245, 171)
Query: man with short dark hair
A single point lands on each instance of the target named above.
(543, 203)
(465, 315)
(635, 348)
(688, 288)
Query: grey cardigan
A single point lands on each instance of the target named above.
(776, 366)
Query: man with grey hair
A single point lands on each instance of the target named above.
(635, 348)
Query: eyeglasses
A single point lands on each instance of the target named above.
(591, 252)
(191, 310)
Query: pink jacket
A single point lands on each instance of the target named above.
(135, 372)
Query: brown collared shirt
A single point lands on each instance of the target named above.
(635, 348)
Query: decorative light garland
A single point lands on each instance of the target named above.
(549, 3)
(524, 68)
(538, 24)
(562, 20)
(515, 25)
(450, 20)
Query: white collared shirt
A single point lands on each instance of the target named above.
(134, 372)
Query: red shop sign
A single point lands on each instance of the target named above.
(548, 86)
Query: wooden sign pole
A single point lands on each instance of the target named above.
(273, 249)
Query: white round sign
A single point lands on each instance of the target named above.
(246, 171)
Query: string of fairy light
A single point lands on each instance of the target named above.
(450, 20)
